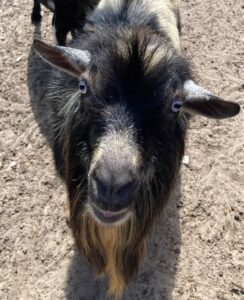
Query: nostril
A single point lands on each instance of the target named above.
(101, 187)
(126, 189)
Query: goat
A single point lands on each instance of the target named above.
(118, 101)
(69, 15)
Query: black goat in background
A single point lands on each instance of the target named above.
(69, 15)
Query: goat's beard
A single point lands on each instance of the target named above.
(115, 251)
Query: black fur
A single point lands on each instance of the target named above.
(36, 13)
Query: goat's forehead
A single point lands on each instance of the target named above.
(143, 69)
(142, 45)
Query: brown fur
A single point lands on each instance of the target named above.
(109, 250)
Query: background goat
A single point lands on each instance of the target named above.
(69, 15)
(117, 102)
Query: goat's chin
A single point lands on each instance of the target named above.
(118, 219)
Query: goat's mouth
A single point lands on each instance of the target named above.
(111, 218)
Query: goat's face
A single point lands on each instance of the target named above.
(125, 137)
(130, 129)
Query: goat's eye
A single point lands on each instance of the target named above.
(176, 105)
(83, 86)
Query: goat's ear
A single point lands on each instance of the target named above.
(70, 60)
(202, 102)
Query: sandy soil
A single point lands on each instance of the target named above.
(197, 251)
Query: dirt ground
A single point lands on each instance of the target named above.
(197, 251)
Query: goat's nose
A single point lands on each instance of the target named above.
(111, 191)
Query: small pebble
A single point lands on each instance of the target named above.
(18, 59)
(13, 164)
(46, 211)
(185, 160)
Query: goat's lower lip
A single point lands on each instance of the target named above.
(106, 216)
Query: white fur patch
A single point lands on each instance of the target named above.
(193, 90)
(164, 9)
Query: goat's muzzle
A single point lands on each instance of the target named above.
(111, 193)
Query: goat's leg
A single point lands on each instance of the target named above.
(61, 29)
(36, 13)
